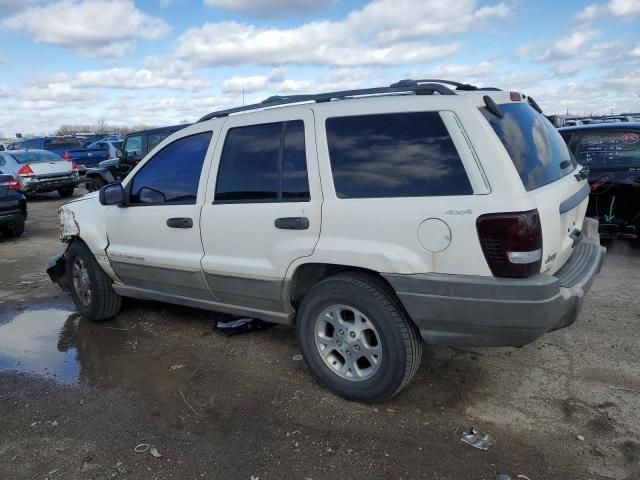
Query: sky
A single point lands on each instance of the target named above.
(160, 62)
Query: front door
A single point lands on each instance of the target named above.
(154, 241)
(263, 206)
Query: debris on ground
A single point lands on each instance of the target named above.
(154, 451)
(176, 367)
(502, 476)
(580, 437)
(242, 325)
(143, 447)
(477, 438)
(296, 358)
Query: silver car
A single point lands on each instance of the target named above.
(40, 171)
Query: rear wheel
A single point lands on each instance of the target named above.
(90, 287)
(356, 339)
(14, 231)
(65, 192)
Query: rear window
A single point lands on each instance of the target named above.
(534, 145)
(612, 148)
(394, 155)
(62, 144)
(34, 157)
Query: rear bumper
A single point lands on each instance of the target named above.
(494, 312)
(36, 184)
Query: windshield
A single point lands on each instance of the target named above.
(534, 145)
(34, 157)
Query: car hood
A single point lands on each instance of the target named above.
(84, 198)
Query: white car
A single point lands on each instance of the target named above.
(372, 220)
(40, 171)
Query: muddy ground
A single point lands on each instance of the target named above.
(76, 398)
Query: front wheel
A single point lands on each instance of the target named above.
(90, 287)
(66, 192)
(356, 339)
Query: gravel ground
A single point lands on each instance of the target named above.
(76, 398)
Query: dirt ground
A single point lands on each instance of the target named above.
(76, 398)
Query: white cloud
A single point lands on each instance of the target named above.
(269, 8)
(569, 46)
(90, 27)
(620, 9)
(456, 72)
(384, 32)
(5, 91)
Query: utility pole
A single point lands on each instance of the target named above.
(243, 96)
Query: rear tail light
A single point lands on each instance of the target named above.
(12, 184)
(515, 96)
(74, 166)
(108, 154)
(512, 243)
(25, 170)
(66, 156)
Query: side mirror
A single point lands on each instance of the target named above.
(112, 194)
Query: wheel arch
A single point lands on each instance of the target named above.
(307, 275)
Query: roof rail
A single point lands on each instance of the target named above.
(277, 100)
(459, 86)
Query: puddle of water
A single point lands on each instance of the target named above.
(59, 344)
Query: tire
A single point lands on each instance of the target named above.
(65, 192)
(102, 302)
(96, 184)
(400, 344)
(16, 231)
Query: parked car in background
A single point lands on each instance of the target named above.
(114, 147)
(40, 171)
(13, 207)
(373, 220)
(134, 147)
(611, 152)
(69, 148)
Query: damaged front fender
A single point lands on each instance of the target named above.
(69, 226)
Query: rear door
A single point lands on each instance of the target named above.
(263, 206)
(547, 171)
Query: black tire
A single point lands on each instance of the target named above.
(400, 340)
(96, 184)
(104, 302)
(66, 192)
(15, 231)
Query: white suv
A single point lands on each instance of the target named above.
(372, 220)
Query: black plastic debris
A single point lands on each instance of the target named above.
(242, 325)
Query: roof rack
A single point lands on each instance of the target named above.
(397, 88)
(459, 86)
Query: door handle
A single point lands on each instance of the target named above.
(292, 223)
(180, 222)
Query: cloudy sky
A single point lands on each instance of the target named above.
(163, 61)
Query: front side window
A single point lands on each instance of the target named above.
(133, 146)
(172, 175)
(609, 148)
(264, 163)
(394, 155)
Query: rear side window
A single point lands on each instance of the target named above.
(172, 175)
(609, 148)
(133, 146)
(264, 163)
(534, 145)
(394, 155)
